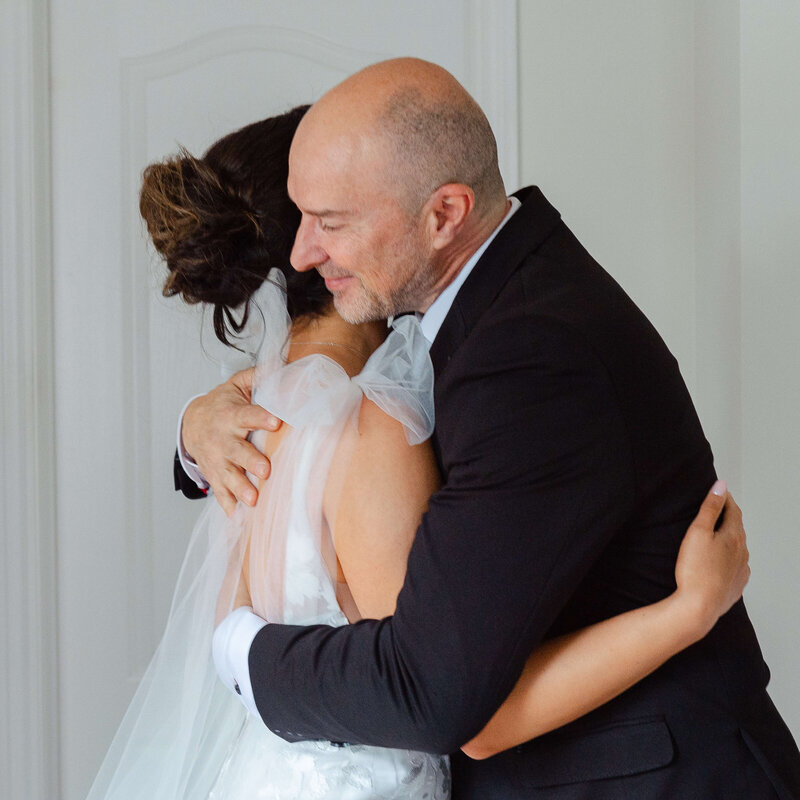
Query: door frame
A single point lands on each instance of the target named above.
(29, 745)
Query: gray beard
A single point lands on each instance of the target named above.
(369, 306)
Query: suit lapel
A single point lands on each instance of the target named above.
(521, 235)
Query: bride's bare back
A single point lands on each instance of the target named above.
(377, 487)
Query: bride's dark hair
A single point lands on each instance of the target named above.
(223, 221)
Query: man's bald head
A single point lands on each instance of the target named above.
(420, 124)
(395, 173)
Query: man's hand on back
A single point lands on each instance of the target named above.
(214, 433)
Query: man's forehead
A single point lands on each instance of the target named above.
(322, 166)
(324, 142)
(323, 195)
(325, 186)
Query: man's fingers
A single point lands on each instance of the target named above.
(221, 420)
(226, 500)
(236, 482)
(232, 487)
(243, 380)
(256, 418)
(251, 459)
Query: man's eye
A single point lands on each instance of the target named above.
(327, 227)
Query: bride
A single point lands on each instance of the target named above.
(328, 539)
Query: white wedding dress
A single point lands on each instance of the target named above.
(185, 736)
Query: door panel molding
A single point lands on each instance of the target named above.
(491, 59)
(29, 696)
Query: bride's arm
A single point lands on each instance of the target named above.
(384, 490)
(567, 677)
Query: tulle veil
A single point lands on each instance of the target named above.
(182, 723)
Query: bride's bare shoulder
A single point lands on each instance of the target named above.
(381, 493)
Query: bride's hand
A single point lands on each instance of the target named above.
(712, 568)
(214, 433)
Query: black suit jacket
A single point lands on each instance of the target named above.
(183, 482)
(573, 462)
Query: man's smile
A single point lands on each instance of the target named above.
(336, 281)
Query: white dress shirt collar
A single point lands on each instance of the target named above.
(432, 319)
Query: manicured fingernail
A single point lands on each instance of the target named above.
(272, 423)
(719, 488)
(263, 470)
(250, 498)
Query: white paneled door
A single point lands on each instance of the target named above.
(130, 82)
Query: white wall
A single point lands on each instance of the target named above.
(770, 298)
(667, 132)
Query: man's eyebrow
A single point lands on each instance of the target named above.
(328, 212)
(324, 212)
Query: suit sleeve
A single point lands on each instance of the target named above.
(539, 478)
(183, 483)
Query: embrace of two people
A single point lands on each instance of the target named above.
(540, 609)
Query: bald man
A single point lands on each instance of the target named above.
(573, 462)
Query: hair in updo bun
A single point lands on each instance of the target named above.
(223, 221)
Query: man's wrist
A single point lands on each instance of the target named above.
(230, 648)
(187, 463)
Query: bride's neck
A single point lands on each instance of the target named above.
(349, 345)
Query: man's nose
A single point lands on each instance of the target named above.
(306, 252)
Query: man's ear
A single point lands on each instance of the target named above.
(448, 209)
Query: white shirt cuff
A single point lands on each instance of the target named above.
(189, 467)
(230, 648)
